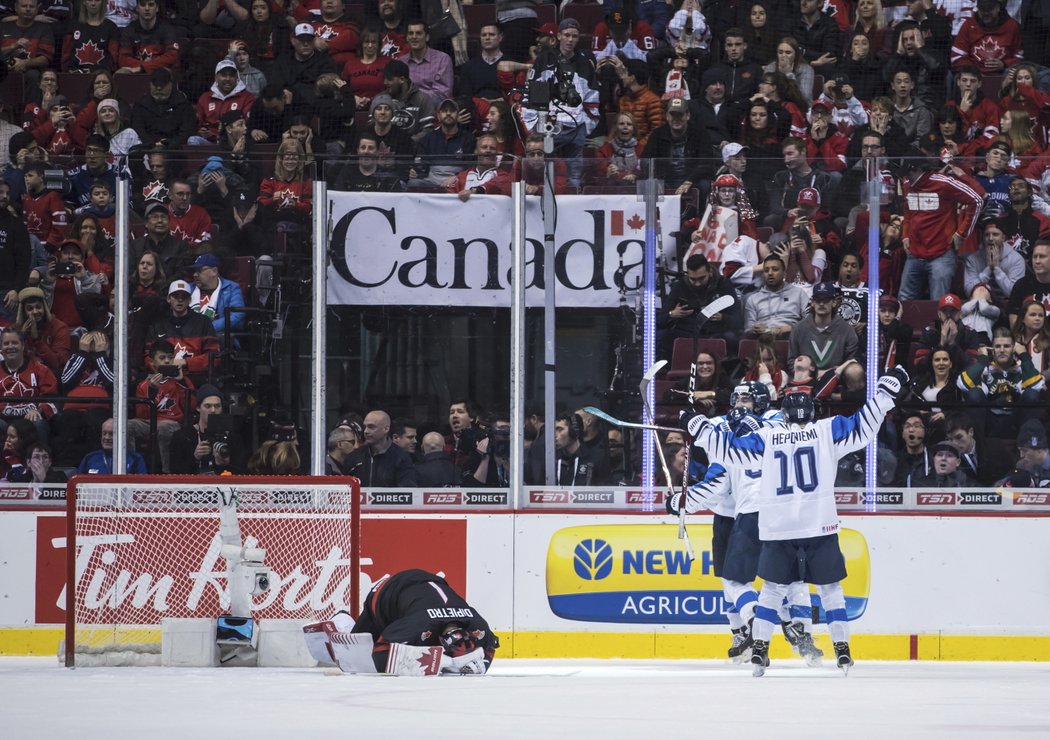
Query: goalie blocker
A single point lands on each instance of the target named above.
(412, 623)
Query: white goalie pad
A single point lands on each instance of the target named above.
(352, 651)
(414, 660)
(471, 664)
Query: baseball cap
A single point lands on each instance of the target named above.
(109, 103)
(304, 29)
(205, 260)
(231, 116)
(1031, 435)
(617, 18)
(825, 289)
(449, 103)
(569, 23)
(731, 150)
(821, 105)
(677, 107)
(548, 29)
(950, 301)
(808, 197)
(160, 77)
(154, 205)
(74, 243)
(180, 286)
(395, 68)
(946, 447)
(225, 64)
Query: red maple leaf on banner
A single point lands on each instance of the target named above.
(636, 221)
(89, 54)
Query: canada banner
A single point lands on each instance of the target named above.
(424, 249)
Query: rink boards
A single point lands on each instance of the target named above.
(581, 583)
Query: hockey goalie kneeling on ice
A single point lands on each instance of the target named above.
(412, 624)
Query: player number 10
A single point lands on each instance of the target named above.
(804, 460)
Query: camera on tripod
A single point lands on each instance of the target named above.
(559, 88)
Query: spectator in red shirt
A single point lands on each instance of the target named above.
(991, 39)
(189, 222)
(228, 93)
(167, 388)
(26, 44)
(23, 378)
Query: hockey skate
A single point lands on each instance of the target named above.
(740, 651)
(802, 643)
(759, 658)
(842, 657)
(791, 635)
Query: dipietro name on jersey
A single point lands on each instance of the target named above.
(450, 613)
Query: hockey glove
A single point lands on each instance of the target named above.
(893, 383)
(675, 503)
(692, 423)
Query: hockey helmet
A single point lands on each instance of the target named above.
(456, 640)
(798, 408)
(756, 391)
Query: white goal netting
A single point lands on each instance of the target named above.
(144, 549)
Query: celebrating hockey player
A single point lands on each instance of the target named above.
(798, 522)
(412, 624)
(732, 495)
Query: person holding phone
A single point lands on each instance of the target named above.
(166, 388)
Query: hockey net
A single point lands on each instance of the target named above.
(142, 549)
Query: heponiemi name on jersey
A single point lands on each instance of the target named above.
(980, 498)
(802, 435)
(450, 612)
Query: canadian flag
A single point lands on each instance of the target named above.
(617, 223)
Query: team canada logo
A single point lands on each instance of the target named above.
(155, 190)
(389, 47)
(988, 49)
(326, 32)
(89, 54)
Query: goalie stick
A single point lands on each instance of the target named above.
(643, 388)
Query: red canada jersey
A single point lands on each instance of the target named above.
(937, 207)
(153, 49)
(979, 45)
(45, 217)
(32, 380)
(39, 40)
(193, 227)
(341, 35)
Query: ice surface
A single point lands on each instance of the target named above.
(535, 699)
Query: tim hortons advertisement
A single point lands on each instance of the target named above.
(435, 250)
(188, 578)
(636, 573)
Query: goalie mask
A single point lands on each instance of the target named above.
(798, 408)
(457, 640)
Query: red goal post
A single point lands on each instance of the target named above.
(145, 548)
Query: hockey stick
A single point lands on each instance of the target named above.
(718, 305)
(610, 419)
(643, 387)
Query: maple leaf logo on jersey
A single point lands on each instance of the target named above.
(326, 32)
(12, 385)
(34, 224)
(165, 404)
(155, 190)
(89, 54)
(988, 48)
(145, 55)
(286, 198)
(389, 47)
(181, 350)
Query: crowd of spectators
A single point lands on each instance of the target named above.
(767, 117)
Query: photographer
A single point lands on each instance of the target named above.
(66, 279)
(211, 446)
(488, 466)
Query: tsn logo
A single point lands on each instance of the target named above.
(935, 499)
(548, 497)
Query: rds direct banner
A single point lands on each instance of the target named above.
(641, 574)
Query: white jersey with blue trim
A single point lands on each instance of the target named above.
(731, 478)
(719, 501)
(798, 466)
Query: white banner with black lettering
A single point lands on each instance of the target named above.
(421, 249)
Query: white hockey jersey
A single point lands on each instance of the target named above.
(729, 487)
(798, 466)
